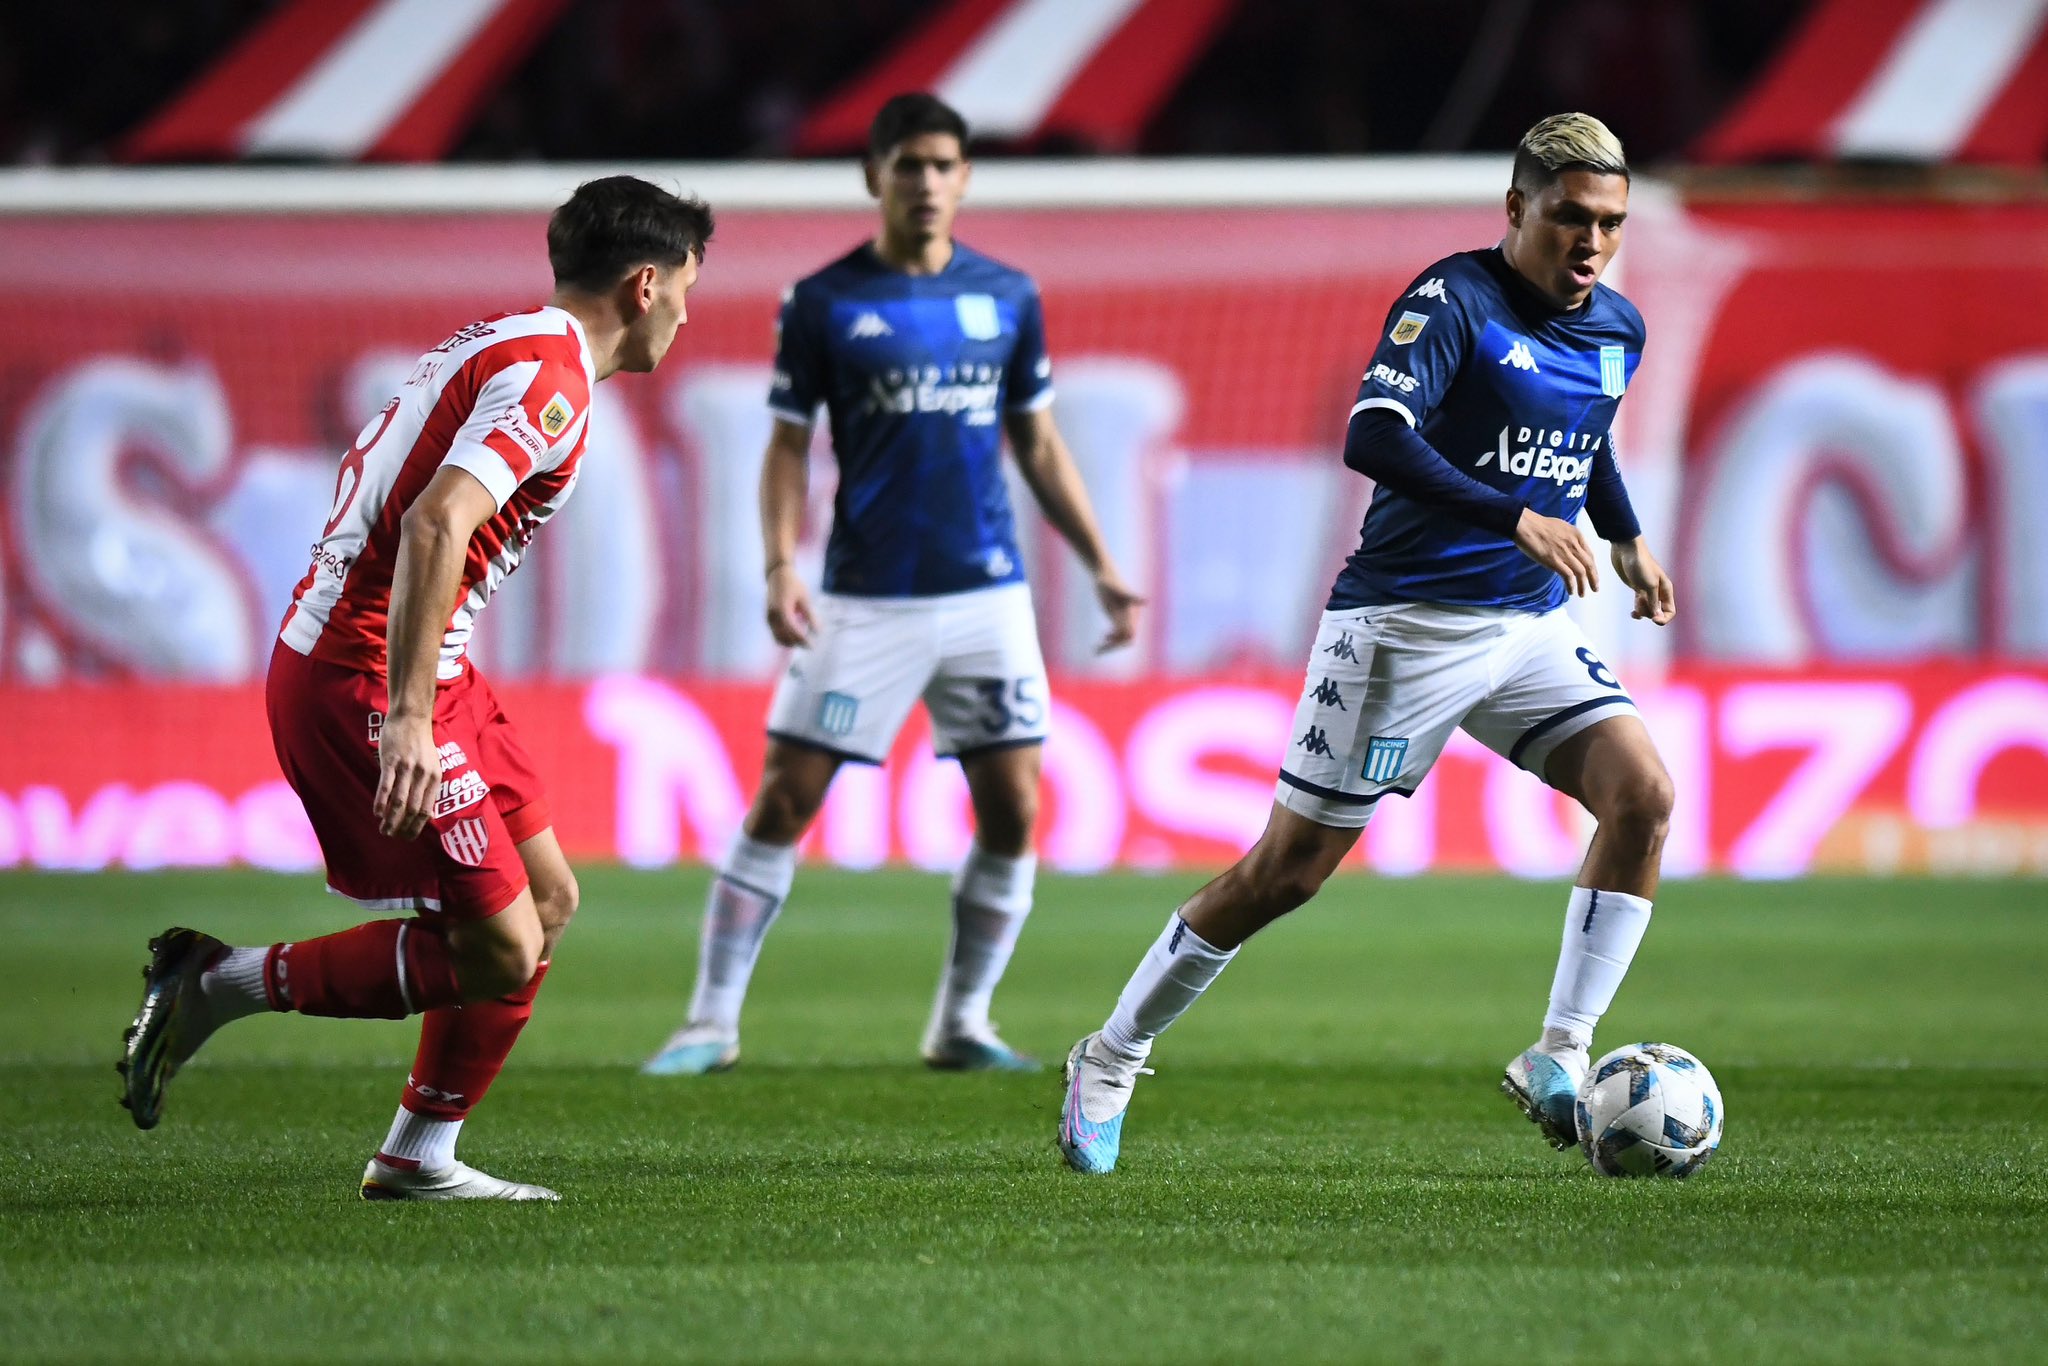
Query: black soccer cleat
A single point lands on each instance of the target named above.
(170, 1024)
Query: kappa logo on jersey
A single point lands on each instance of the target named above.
(556, 417)
(1316, 743)
(1432, 288)
(1613, 371)
(836, 713)
(1407, 328)
(997, 563)
(464, 789)
(1326, 695)
(869, 325)
(1519, 357)
(467, 841)
(1392, 378)
(978, 318)
(452, 756)
(1384, 755)
(1540, 459)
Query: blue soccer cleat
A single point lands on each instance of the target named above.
(1546, 1088)
(695, 1050)
(981, 1051)
(1092, 1118)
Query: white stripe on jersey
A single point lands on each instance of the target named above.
(397, 438)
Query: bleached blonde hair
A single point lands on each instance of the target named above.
(1566, 142)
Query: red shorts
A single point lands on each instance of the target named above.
(325, 719)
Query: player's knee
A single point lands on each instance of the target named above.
(783, 810)
(1005, 826)
(1284, 881)
(1641, 803)
(496, 957)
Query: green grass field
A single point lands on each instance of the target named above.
(1321, 1170)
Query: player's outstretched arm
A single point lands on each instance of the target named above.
(433, 542)
(1656, 599)
(1048, 469)
(785, 488)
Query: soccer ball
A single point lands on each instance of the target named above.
(1650, 1109)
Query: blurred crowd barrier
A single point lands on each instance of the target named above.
(1838, 441)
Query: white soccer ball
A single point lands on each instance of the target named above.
(1650, 1109)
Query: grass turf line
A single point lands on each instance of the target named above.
(1321, 1171)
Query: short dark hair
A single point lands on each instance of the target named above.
(907, 115)
(620, 223)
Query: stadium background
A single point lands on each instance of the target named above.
(1838, 440)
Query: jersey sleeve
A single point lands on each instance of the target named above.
(1028, 380)
(530, 412)
(799, 383)
(1419, 352)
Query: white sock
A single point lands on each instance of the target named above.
(745, 898)
(233, 987)
(1601, 932)
(1178, 967)
(424, 1142)
(991, 898)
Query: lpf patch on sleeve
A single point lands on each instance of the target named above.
(556, 416)
(1408, 328)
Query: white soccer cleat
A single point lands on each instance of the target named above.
(458, 1182)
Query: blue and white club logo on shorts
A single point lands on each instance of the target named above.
(1383, 758)
(836, 713)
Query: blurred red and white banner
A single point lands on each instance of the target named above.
(1847, 771)
(1838, 439)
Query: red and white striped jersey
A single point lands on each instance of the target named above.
(506, 399)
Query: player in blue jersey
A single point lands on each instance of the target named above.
(1484, 421)
(924, 354)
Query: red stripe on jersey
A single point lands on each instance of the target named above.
(354, 632)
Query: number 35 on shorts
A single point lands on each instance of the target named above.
(1007, 703)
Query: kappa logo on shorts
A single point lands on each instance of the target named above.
(836, 713)
(1316, 743)
(1341, 648)
(467, 841)
(1326, 695)
(464, 789)
(1384, 755)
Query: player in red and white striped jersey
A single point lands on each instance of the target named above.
(423, 798)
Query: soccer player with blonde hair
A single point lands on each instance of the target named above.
(1484, 420)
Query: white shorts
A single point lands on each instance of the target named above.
(1387, 685)
(973, 657)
